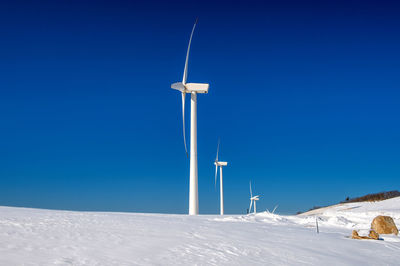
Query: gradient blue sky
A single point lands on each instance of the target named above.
(304, 96)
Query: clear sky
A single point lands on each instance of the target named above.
(304, 96)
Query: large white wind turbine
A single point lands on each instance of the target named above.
(193, 89)
(253, 199)
(221, 187)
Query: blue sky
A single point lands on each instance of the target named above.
(304, 96)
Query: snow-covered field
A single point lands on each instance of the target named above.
(47, 237)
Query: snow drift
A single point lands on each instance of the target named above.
(47, 237)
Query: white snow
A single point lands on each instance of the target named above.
(48, 237)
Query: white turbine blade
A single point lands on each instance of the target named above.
(183, 120)
(274, 209)
(251, 203)
(187, 55)
(216, 158)
(216, 172)
(251, 193)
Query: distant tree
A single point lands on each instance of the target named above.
(347, 199)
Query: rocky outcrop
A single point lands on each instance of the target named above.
(384, 225)
(372, 235)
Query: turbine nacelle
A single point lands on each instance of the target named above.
(217, 163)
(255, 198)
(191, 87)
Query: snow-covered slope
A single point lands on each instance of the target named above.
(46, 237)
(387, 207)
(357, 215)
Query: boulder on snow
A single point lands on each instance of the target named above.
(384, 225)
(372, 235)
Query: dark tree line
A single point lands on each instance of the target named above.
(375, 196)
(370, 197)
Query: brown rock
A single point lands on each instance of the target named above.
(384, 225)
(373, 235)
(355, 235)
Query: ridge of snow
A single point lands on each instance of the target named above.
(48, 237)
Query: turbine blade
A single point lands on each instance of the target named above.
(216, 173)
(183, 120)
(187, 55)
(216, 158)
(251, 203)
(251, 193)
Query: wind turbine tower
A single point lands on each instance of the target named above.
(193, 89)
(253, 199)
(221, 186)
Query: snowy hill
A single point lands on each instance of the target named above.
(47, 237)
(388, 207)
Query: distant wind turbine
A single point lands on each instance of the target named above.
(193, 89)
(253, 199)
(221, 186)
